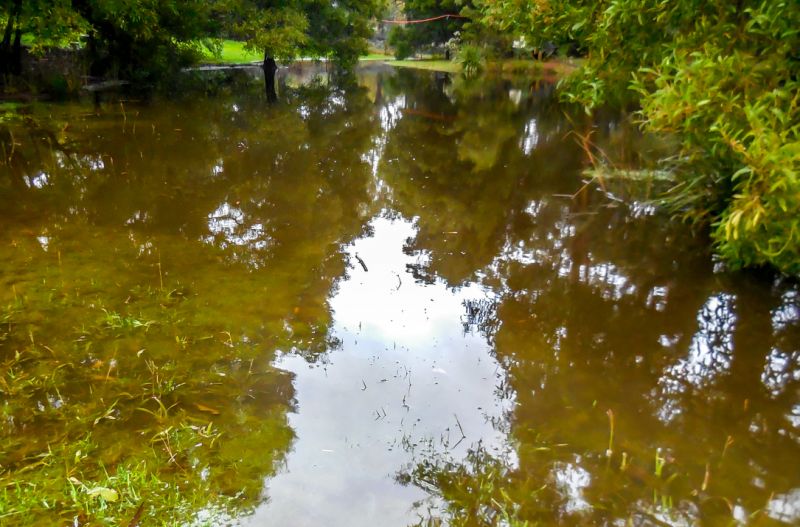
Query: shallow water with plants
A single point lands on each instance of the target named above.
(406, 299)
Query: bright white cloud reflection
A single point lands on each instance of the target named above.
(406, 374)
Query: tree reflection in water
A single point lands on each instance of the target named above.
(155, 258)
(648, 388)
(158, 257)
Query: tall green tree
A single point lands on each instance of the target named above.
(278, 29)
(142, 39)
(409, 38)
(53, 22)
(339, 30)
(10, 57)
(311, 28)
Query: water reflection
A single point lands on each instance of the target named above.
(180, 254)
(404, 378)
(389, 303)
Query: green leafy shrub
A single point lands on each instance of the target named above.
(399, 40)
(740, 154)
(722, 77)
(471, 59)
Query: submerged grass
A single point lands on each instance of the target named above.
(133, 490)
(538, 483)
(480, 491)
(141, 410)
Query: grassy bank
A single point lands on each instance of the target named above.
(431, 65)
(551, 68)
(557, 67)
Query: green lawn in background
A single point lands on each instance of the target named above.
(551, 68)
(234, 52)
(377, 56)
(432, 65)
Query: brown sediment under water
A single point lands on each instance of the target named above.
(395, 300)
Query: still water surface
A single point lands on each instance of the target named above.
(391, 303)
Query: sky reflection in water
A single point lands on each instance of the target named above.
(503, 297)
(404, 377)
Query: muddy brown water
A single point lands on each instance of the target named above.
(391, 303)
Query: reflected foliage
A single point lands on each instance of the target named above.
(156, 258)
(643, 382)
(721, 76)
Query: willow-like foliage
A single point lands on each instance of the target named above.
(721, 76)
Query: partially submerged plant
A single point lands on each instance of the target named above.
(471, 59)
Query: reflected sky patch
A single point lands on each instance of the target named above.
(406, 379)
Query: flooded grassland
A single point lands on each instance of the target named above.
(393, 302)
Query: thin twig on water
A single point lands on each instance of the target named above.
(463, 435)
(137, 516)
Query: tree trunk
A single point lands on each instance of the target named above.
(270, 68)
(15, 67)
(95, 69)
(5, 47)
(379, 90)
(7, 35)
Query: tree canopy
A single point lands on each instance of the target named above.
(410, 38)
(140, 39)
